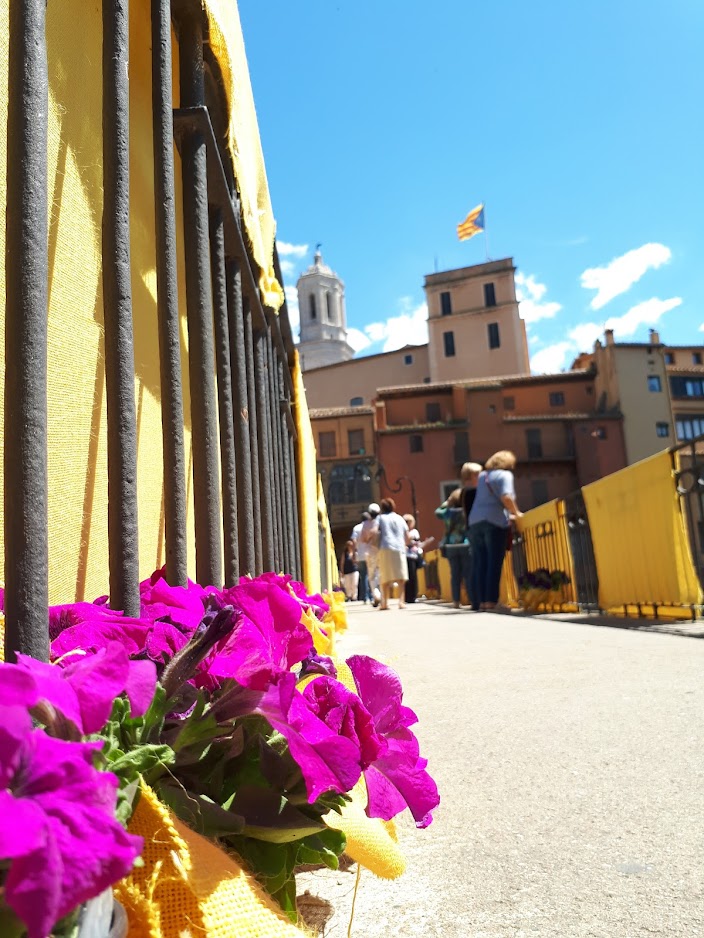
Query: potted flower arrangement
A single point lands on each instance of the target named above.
(534, 588)
(558, 581)
(226, 704)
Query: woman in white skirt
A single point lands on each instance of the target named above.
(393, 540)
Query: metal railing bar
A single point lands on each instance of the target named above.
(188, 120)
(26, 278)
(254, 436)
(276, 458)
(167, 299)
(117, 308)
(228, 459)
(240, 408)
(265, 465)
(288, 471)
(206, 488)
(298, 565)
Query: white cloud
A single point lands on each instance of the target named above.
(529, 294)
(291, 250)
(358, 340)
(646, 313)
(408, 328)
(585, 335)
(552, 359)
(287, 268)
(294, 316)
(622, 272)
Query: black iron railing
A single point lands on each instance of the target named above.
(239, 353)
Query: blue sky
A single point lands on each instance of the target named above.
(579, 126)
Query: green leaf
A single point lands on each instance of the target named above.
(324, 848)
(200, 813)
(141, 761)
(286, 897)
(269, 816)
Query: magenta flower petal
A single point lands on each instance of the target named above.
(97, 680)
(395, 782)
(328, 762)
(22, 828)
(345, 714)
(140, 686)
(17, 687)
(182, 606)
(53, 687)
(93, 634)
(58, 827)
(398, 778)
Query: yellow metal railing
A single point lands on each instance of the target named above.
(621, 542)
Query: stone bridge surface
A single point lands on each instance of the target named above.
(569, 753)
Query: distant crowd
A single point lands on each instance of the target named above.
(385, 549)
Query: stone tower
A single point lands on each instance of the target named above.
(321, 301)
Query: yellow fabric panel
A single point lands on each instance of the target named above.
(640, 542)
(332, 570)
(188, 886)
(244, 143)
(307, 484)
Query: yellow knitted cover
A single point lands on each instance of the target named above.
(188, 887)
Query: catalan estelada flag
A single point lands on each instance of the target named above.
(473, 223)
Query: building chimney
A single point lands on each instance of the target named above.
(654, 337)
(609, 334)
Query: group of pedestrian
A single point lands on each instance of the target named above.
(385, 549)
(384, 552)
(478, 517)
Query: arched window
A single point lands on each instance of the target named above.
(328, 304)
(313, 310)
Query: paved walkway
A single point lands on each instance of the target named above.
(570, 760)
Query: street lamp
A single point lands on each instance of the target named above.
(394, 488)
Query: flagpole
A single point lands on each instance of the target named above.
(486, 236)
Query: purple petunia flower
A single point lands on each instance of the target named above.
(57, 824)
(84, 691)
(345, 713)
(328, 761)
(398, 778)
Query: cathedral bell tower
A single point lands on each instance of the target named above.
(321, 301)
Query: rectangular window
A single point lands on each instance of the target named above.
(534, 443)
(509, 403)
(662, 429)
(557, 398)
(355, 441)
(494, 339)
(416, 443)
(326, 443)
(445, 304)
(687, 387)
(669, 358)
(539, 492)
(432, 413)
(407, 359)
(690, 426)
(356, 401)
(313, 311)
(696, 358)
(489, 294)
(461, 453)
(449, 340)
(654, 383)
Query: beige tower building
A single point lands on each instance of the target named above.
(474, 329)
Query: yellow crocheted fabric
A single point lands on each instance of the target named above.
(337, 615)
(189, 888)
(323, 638)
